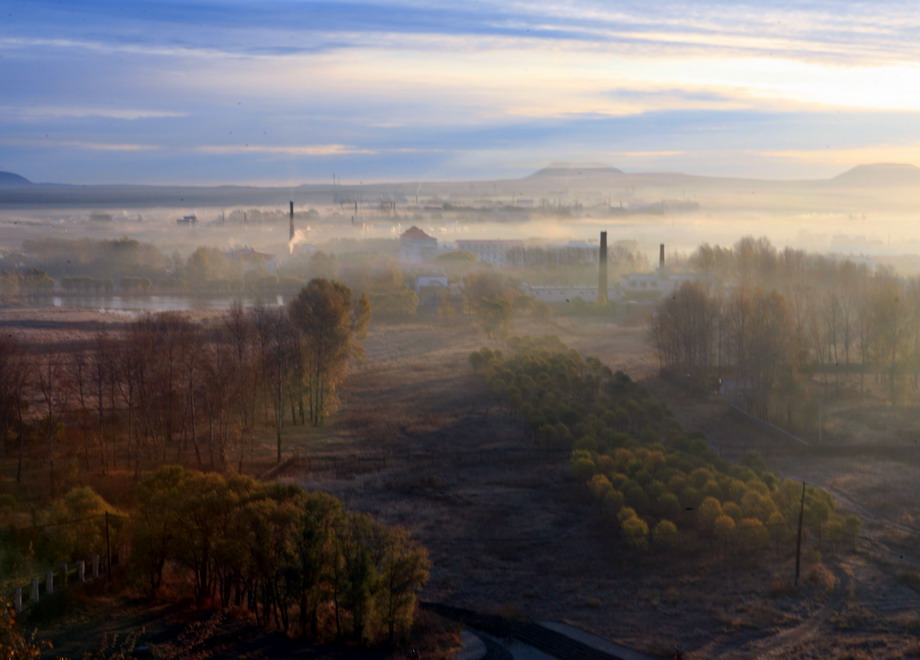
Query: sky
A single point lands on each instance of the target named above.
(295, 91)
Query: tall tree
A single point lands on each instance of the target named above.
(278, 355)
(14, 378)
(12, 375)
(490, 298)
(331, 325)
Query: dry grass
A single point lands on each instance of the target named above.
(822, 577)
(419, 442)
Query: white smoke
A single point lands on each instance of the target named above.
(300, 236)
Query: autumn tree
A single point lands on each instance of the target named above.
(296, 560)
(685, 330)
(79, 519)
(331, 325)
(490, 299)
(206, 264)
(280, 358)
(53, 399)
(103, 372)
(456, 264)
(891, 321)
(156, 526)
(763, 343)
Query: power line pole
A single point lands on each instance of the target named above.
(108, 549)
(798, 545)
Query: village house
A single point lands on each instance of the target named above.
(415, 246)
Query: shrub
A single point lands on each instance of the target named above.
(599, 486)
(752, 535)
(724, 528)
(582, 465)
(732, 509)
(613, 501)
(636, 532)
(665, 534)
(710, 509)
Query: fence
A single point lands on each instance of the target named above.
(64, 576)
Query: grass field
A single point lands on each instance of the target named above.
(421, 442)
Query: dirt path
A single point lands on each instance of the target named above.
(875, 599)
(508, 531)
(787, 643)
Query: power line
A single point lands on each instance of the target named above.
(71, 522)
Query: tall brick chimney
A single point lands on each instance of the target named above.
(602, 270)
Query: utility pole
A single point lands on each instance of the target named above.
(820, 421)
(108, 549)
(798, 544)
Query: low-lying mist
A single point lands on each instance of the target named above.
(876, 235)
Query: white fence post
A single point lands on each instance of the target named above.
(33, 597)
(49, 582)
(95, 566)
(81, 571)
(18, 599)
(64, 576)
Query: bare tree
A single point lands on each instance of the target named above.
(78, 370)
(51, 382)
(14, 379)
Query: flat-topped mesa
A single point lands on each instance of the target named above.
(880, 174)
(575, 169)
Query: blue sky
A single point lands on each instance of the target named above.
(293, 91)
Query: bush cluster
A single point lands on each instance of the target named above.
(659, 486)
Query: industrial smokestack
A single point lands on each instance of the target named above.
(661, 257)
(602, 270)
(292, 221)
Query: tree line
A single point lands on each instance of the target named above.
(296, 561)
(658, 485)
(760, 320)
(166, 387)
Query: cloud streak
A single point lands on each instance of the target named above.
(307, 150)
(39, 113)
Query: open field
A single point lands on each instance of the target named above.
(422, 443)
(510, 533)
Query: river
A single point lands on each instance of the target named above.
(138, 304)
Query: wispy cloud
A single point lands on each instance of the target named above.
(899, 153)
(645, 154)
(846, 32)
(103, 146)
(303, 150)
(39, 113)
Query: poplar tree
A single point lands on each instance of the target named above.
(331, 326)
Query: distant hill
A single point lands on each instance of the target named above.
(586, 182)
(10, 180)
(575, 169)
(880, 174)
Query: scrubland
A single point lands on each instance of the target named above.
(422, 442)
